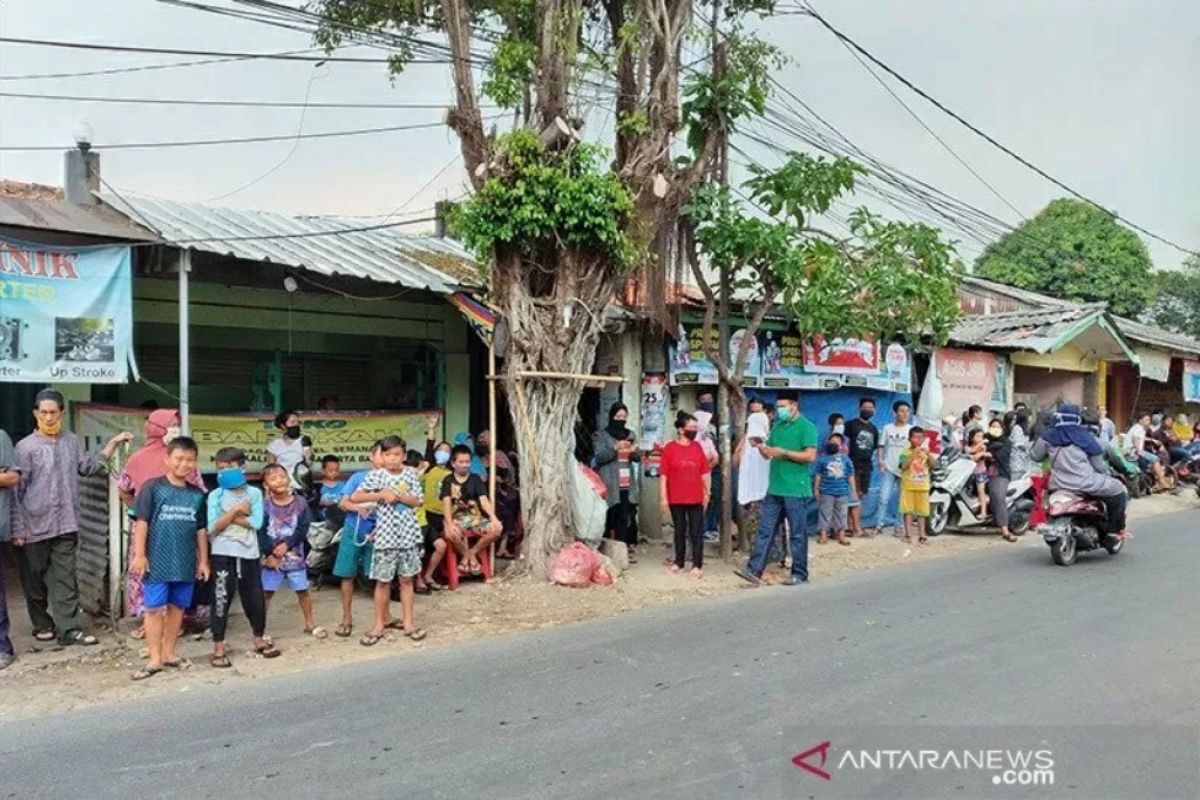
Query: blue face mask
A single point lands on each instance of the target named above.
(441, 458)
(232, 478)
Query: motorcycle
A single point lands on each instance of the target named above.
(953, 499)
(1076, 524)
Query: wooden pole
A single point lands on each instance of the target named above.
(492, 428)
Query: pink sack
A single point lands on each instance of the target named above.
(576, 565)
(595, 479)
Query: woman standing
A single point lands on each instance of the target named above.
(1000, 448)
(145, 465)
(290, 449)
(616, 463)
(686, 486)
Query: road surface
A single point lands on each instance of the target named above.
(997, 653)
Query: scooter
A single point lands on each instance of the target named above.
(953, 499)
(1076, 524)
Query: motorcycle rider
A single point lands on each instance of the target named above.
(1077, 465)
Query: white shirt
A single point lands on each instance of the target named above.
(754, 470)
(1135, 440)
(288, 452)
(892, 440)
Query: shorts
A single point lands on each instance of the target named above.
(297, 579)
(433, 531)
(1147, 460)
(352, 559)
(914, 502)
(979, 479)
(158, 594)
(832, 515)
(387, 563)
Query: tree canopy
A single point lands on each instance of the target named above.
(1076, 251)
(1178, 305)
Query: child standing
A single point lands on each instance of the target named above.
(914, 485)
(435, 545)
(331, 490)
(286, 520)
(977, 450)
(354, 550)
(235, 513)
(396, 488)
(170, 551)
(833, 488)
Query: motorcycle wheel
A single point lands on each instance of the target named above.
(939, 516)
(1063, 551)
(1113, 545)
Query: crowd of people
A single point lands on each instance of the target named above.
(192, 551)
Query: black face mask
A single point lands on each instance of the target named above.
(832, 448)
(292, 432)
(865, 415)
(690, 435)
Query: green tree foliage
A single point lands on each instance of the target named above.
(1177, 307)
(1076, 251)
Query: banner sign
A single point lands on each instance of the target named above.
(1191, 381)
(967, 378)
(844, 356)
(783, 361)
(66, 315)
(654, 410)
(345, 434)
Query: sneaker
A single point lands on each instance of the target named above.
(792, 580)
(711, 537)
(6, 659)
(748, 576)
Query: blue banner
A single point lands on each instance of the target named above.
(66, 314)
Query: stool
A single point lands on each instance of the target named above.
(450, 564)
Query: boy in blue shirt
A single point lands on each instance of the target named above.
(170, 551)
(354, 550)
(834, 489)
(331, 489)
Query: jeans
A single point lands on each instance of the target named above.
(796, 511)
(712, 519)
(6, 646)
(889, 483)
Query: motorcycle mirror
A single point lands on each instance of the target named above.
(303, 476)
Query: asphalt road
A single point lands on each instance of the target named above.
(1001, 651)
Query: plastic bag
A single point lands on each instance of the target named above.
(575, 565)
(588, 508)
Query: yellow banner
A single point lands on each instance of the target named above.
(345, 434)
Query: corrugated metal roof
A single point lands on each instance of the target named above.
(1040, 331)
(1030, 298)
(36, 212)
(1157, 337)
(419, 262)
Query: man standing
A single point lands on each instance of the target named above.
(1108, 431)
(892, 441)
(10, 476)
(46, 526)
(791, 448)
(863, 438)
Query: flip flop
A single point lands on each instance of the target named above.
(370, 639)
(317, 632)
(145, 672)
(923, 540)
(177, 663)
(268, 650)
(343, 630)
(423, 590)
(138, 633)
(46, 635)
(78, 637)
(416, 634)
(432, 584)
(220, 662)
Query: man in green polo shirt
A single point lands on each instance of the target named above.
(791, 449)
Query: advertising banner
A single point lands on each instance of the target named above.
(783, 361)
(348, 435)
(65, 314)
(847, 356)
(691, 366)
(655, 400)
(1191, 381)
(967, 378)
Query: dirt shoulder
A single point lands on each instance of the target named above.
(53, 680)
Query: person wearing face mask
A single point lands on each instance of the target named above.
(616, 457)
(710, 439)
(862, 439)
(1000, 448)
(833, 489)
(289, 450)
(46, 520)
(438, 456)
(684, 479)
(146, 464)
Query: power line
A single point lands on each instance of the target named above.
(141, 68)
(247, 140)
(155, 101)
(214, 53)
(991, 140)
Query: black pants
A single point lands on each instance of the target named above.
(48, 578)
(1115, 508)
(240, 576)
(622, 521)
(689, 526)
(997, 489)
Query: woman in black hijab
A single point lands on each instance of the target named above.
(616, 464)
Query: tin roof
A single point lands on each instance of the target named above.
(1044, 330)
(421, 262)
(1141, 333)
(42, 208)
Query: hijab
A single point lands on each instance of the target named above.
(754, 471)
(617, 429)
(502, 462)
(1068, 431)
(148, 462)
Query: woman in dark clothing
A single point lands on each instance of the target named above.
(616, 463)
(999, 446)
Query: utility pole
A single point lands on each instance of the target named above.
(721, 173)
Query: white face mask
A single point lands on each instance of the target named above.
(173, 432)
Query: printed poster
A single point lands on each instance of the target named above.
(691, 366)
(783, 361)
(1191, 381)
(348, 435)
(845, 356)
(654, 409)
(967, 378)
(65, 314)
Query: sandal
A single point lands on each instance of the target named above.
(317, 632)
(145, 672)
(267, 650)
(423, 589)
(432, 584)
(344, 630)
(138, 633)
(46, 635)
(220, 662)
(923, 540)
(78, 637)
(416, 634)
(476, 568)
(178, 663)
(842, 540)
(1008, 537)
(371, 639)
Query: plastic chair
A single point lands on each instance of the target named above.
(450, 564)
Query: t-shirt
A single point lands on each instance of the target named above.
(355, 523)
(433, 489)
(237, 541)
(330, 496)
(894, 440)
(288, 452)
(288, 522)
(464, 499)
(790, 478)
(684, 466)
(8, 463)
(863, 438)
(835, 473)
(395, 523)
(174, 514)
(914, 471)
(1135, 439)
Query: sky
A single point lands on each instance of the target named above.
(1100, 94)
